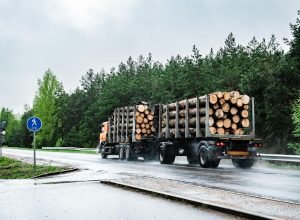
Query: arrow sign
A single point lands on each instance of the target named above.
(34, 124)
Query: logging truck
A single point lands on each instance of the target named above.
(205, 129)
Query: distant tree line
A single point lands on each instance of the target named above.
(260, 69)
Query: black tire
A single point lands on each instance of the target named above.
(162, 157)
(171, 159)
(243, 163)
(103, 156)
(166, 158)
(192, 159)
(121, 153)
(203, 158)
(101, 150)
(127, 154)
(214, 163)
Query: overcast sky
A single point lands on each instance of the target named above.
(71, 36)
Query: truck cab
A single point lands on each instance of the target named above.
(102, 138)
(104, 131)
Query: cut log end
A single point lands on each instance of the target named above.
(141, 108)
(138, 137)
(212, 130)
(219, 113)
(213, 99)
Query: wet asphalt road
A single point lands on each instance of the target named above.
(89, 201)
(281, 184)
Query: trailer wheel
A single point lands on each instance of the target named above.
(121, 153)
(214, 163)
(192, 159)
(243, 163)
(171, 159)
(166, 158)
(203, 158)
(162, 157)
(127, 154)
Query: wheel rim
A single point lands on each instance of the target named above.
(121, 153)
(161, 156)
(203, 157)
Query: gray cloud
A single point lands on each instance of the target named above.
(71, 36)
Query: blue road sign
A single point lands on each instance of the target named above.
(34, 124)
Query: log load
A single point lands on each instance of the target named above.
(232, 115)
(138, 119)
(228, 114)
(144, 121)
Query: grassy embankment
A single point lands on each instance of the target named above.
(15, 169)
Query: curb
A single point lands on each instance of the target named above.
(55, 173)
(216, 207)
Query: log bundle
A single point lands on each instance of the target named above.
(230, 111)
(125, 121)
(144, 125)
(227, 113)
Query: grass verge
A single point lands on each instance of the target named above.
(15, 169)
(57, 150)
(71, 151)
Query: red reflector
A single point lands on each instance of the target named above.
(220, 144)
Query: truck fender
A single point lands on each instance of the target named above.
(202, 143)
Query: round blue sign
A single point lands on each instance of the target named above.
(34, 124)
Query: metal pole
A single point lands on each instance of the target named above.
(34, 154)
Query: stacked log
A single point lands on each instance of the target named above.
(144, 126)
(124, 119)
(228, 113)
(231, 115)
(169, 114)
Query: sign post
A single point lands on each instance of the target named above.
(2, 135)
(34, 124)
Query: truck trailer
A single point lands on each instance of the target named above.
(205, 129)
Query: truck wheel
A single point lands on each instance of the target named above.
(203, 158)
(214, 163)
(192, 159)
(165, 158)
(162, 157)
(103, 156)
(171, 159)
(243, 163)
(121, 153)
(127, 154)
